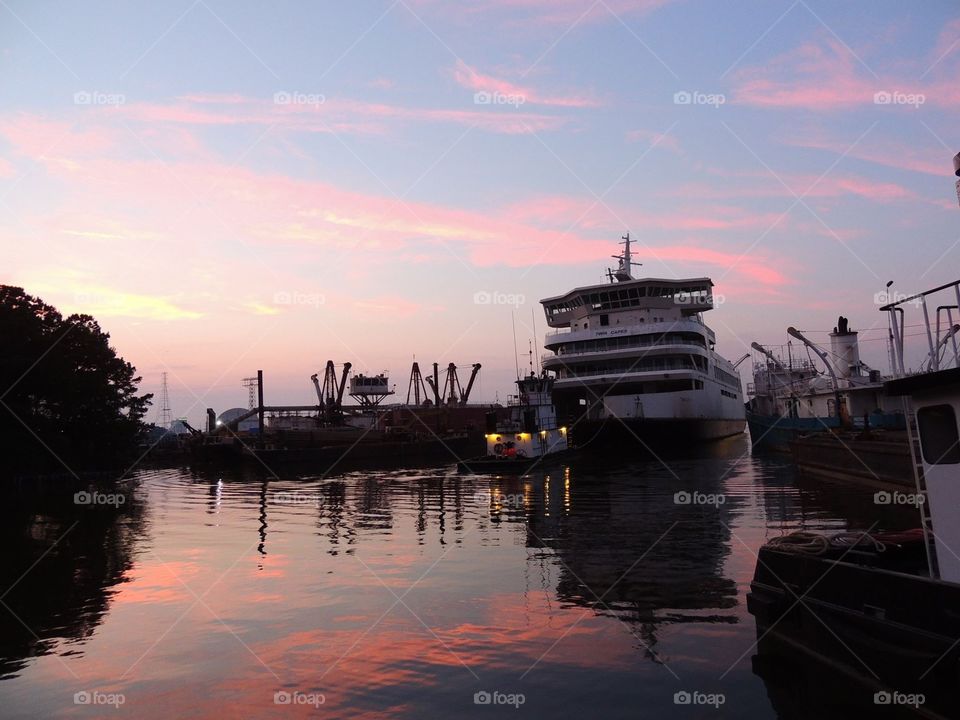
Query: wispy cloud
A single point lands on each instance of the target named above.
(82, 294)
(191, 204)
(332, 115)
(824, 76)
(472, 79)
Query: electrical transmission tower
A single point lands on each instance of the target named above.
(250, 383)
(166, 417)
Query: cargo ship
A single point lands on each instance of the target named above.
(791, 397)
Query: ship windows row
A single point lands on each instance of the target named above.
(728, 394)
(685, 362)
(630, 297)
(631, 341)
(725, 377)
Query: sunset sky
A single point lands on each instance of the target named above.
(237, 185)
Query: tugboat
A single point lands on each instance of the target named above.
(881, 608)
(529, 438)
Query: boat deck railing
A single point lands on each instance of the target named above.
(691, 318)
(936, 358)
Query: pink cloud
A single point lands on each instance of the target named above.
(326, 115)
(42, 137)
(761, 184)
(948, 41)
(754, 266)
(218, 227)
(471, 79)
(927, 159)
(825, 76)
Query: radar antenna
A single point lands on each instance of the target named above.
(625, 260)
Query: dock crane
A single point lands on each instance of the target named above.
(769, 355)
(473, 376)
(330, 395)
(434, 383)
(453, 391)
(416, 385)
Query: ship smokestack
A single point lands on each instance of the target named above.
(845, 349)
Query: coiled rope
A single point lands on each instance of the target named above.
(810, 543)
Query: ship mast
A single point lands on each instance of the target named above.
(622, 273)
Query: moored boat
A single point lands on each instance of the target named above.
(635, 362)
(790, 396)
(529, 438)
(880, 607)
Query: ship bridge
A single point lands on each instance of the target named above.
(686, 296)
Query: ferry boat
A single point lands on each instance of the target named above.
(879, 608)
(530, 436)
(634, 361)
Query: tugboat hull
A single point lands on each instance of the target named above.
(498, 464)
(882, 626)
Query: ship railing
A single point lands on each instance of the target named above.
(642, 348)
(938, 333)
(657, 372)
(691, 318)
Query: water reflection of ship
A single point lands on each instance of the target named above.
(627, 549)
(61, 560)
(792, 500)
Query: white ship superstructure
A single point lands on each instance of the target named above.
(635, 354)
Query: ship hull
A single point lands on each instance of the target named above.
(885, 629)
(775, 433)
(656, 433)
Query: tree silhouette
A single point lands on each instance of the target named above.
(68, 402)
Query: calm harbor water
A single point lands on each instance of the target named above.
(584, 591)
